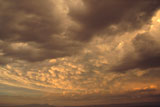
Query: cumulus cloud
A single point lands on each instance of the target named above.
(51, 29)
(112, 16)
(34, 30)
(146, 54)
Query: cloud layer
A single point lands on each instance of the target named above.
(146, 54)
(39, 30)
(79, 51)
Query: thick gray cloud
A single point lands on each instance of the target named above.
(32, 30)
(36, 30)
(113, 16)
(28, 21)
(146, 54)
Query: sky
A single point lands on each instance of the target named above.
(79, 52)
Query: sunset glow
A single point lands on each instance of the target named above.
(79, 52)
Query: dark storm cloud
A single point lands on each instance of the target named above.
(35, 30)
(34, 27)
(106, 14)
(22, 20)
(146, 54)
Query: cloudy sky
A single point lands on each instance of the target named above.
(79, 52)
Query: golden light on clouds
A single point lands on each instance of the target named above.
(79, 52)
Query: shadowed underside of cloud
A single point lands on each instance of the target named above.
(32, 30)
(112, 16)
(38, 30)
(146, 54)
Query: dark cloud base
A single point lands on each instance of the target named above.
(38, 28)
(146, 54)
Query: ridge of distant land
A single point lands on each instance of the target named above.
(144, 104)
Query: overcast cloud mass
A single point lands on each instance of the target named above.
(79, 52)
